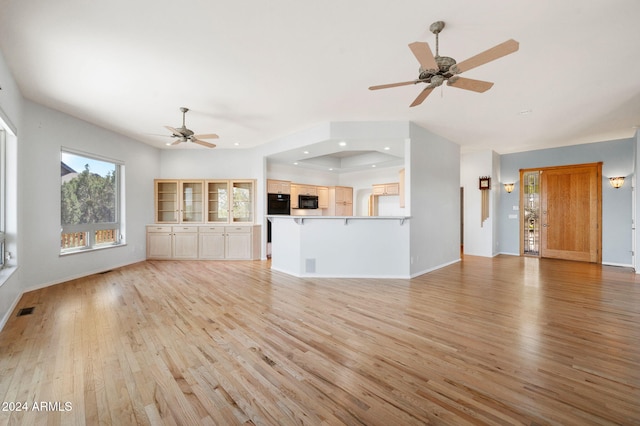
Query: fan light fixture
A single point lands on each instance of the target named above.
(616, 182)
(509, 187)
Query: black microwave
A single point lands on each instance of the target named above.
(307, 201)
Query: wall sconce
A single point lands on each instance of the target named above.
(616, 182)
(509, 187)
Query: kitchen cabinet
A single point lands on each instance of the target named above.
(239, 242)
(278, 186)
(172, 242)
(323, 197)
(230, 201)
(204, 201)
(386, 189)
(185, 242)
(211, 242)
(203, 242)
(301, 189)
(340, 201)
(242, 201)
(159, 242)
(179, 201)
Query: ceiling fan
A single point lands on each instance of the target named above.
(435, 70)
(186, 135)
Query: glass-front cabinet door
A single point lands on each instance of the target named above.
(204, 201)
(192, 205)
(242, 206)
(218, 201)
(167, 201)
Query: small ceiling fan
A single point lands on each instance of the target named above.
(435, 70)
(186, 135)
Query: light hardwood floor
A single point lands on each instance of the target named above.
(508, 340)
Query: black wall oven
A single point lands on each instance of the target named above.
(277, 204)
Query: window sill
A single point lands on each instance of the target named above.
(89, 250)
(6, 273)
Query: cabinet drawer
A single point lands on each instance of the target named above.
(211, 229)
(238, 229)
(185, 229)
(158, 229)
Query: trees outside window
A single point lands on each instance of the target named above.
(89, 202)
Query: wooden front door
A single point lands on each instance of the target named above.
(571, 212)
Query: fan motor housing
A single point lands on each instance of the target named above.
(444, 65)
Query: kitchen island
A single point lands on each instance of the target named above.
(341, 246)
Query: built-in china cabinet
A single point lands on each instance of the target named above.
(204, 219)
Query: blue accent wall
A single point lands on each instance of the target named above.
(617, 158)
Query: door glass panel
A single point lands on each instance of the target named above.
(192, 202)
(531, 202)
(242, 201)
(218, 202)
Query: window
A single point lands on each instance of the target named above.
(90, 194)
(2, 196)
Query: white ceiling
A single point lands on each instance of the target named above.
(254, 71)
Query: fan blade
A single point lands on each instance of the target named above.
(207, 136)
(203, 143)
(422, 96)
(423, 54)
(489, 55)
(177, 142)
(470, 84)
(386, 86)
(173, 130)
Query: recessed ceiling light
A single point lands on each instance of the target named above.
(330, 169)
(386, 148)
(373, 165)
(237, 144)
(525, 112)
(168, 144)
(295, 164)
(343, 143)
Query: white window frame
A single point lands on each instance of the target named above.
(90, 229)
(3, 194)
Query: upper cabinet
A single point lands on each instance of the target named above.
(179, 201)
(386, 189)
(204, 201)
(278, 186)
(191, 201)
(242, 205)
(340, 201)
(167, 201)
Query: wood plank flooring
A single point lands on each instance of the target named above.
(502, 341)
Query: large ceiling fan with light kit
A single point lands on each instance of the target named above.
(435, 70)
(186, 135)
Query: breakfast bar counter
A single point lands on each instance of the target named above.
(341, 246)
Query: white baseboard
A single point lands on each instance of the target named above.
(7, 315)
(426, 271)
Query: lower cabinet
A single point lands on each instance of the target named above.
(159, 242)
(185, 242)
(203, 242)
(212, 242)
